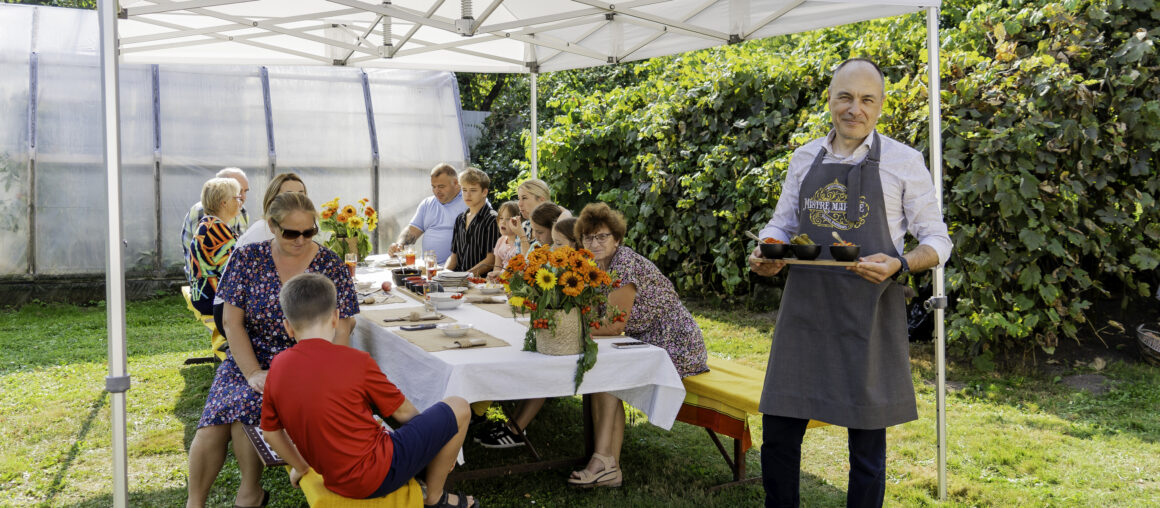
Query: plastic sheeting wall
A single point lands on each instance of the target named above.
(179, 125)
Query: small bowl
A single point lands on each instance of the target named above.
(454, 329)
(490, 288)
(774, 250)
(441, 296)
(446, 304)
(844, 252)
(363, 285)
(806, 252)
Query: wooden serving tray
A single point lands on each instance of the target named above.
(815, 262)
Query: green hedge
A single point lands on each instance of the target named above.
(1051, 126)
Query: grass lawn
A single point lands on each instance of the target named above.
(1014, 439)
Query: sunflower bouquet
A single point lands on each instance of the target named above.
(346, 226)
(549, 283)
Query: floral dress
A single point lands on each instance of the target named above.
(251, 283)
(657, 315)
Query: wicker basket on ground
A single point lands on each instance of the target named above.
(1149, 341)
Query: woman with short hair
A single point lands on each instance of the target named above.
(214, 240)
(253, 321)
(655, 315)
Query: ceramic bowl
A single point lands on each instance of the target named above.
(491, 288)
(454, 329)
(774, 250)
(446, 304)
(844, 252)
(806, 252)
(364, 285)
(442, 296)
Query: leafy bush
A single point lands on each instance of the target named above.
(1051, 126)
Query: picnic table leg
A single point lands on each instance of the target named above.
(589, 430)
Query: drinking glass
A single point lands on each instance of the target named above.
(409, 255)
(432, 266)
(351, 263)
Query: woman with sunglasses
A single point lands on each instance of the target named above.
(253, 321)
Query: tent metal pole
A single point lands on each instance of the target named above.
(938, 299)
(534, 129)
(117, 383)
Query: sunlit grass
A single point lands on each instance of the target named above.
(1014, 440)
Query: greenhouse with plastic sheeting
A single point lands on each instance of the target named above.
(347, 132)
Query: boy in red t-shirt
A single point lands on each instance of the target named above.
(322, 396)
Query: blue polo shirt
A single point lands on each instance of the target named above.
(437, 221)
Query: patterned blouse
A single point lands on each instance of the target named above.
(208, 253)
(504, 251)
(657, 315)
(252, 284)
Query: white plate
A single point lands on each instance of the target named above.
(454, 275)
(454, 289)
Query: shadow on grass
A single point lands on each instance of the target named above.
(191, 399)
(52, 334)
(161, 497)
(58, 480)
(1129, 407)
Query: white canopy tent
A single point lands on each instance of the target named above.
(507, 36)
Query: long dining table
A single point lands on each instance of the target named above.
(643, 377)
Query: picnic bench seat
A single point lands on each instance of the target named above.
(721, 401)
(318, 496)
(217, 340)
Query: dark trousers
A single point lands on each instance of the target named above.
(781, 457)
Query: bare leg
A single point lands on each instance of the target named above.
(207, 453)
(250, 490)
(608, 426)
(526, 411)
(444, 461)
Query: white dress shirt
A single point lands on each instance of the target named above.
(907, 190)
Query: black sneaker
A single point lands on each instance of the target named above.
(500, 437)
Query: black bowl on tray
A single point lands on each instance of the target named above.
(806, 252)
(774, 250)
(400, 274)
(844, 252)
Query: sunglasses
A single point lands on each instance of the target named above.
(291, 234)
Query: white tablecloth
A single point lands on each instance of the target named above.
(642, 377)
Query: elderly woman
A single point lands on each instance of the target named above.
(530, 194)
(260, 231)
(213, 241)
(253, 322)
(655, 316)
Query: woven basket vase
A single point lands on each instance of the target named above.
(565, 340)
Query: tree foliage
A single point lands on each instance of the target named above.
(1051, 125)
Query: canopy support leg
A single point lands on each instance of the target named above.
(933, 89)
(534, 129)
(118, 381)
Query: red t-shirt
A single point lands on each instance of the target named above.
(322, 394)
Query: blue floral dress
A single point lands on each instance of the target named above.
(657, 315)
(251, 283)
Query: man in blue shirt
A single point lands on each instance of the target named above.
(435, 217)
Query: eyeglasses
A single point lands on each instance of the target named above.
(240, 199)
(598, 238)
(291, 234)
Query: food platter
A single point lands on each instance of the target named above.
(815, 262)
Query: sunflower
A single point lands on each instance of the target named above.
(331, 204)
(327, 213)
(572, 283)
(372, 222)
(342, 217)
(517, 263)
(369, 212)
(539, 256)
(349, 210)
(593, 277)
(585, 252)
(545, 279)
(516, 301)
(579, 264)
(355, 222)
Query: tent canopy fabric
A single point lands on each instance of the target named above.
(508, 36)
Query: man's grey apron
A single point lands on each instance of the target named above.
(840, 352)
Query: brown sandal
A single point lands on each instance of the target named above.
(610, 476)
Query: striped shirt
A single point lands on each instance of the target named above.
(471, 244)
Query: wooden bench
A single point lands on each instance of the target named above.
(217, 340)
(318, 496)
(721, 401)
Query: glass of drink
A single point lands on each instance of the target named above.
(351, 263)
(409, 255)
(430, 260)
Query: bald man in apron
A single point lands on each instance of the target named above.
(840, 352)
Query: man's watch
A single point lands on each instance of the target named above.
(903, 270)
